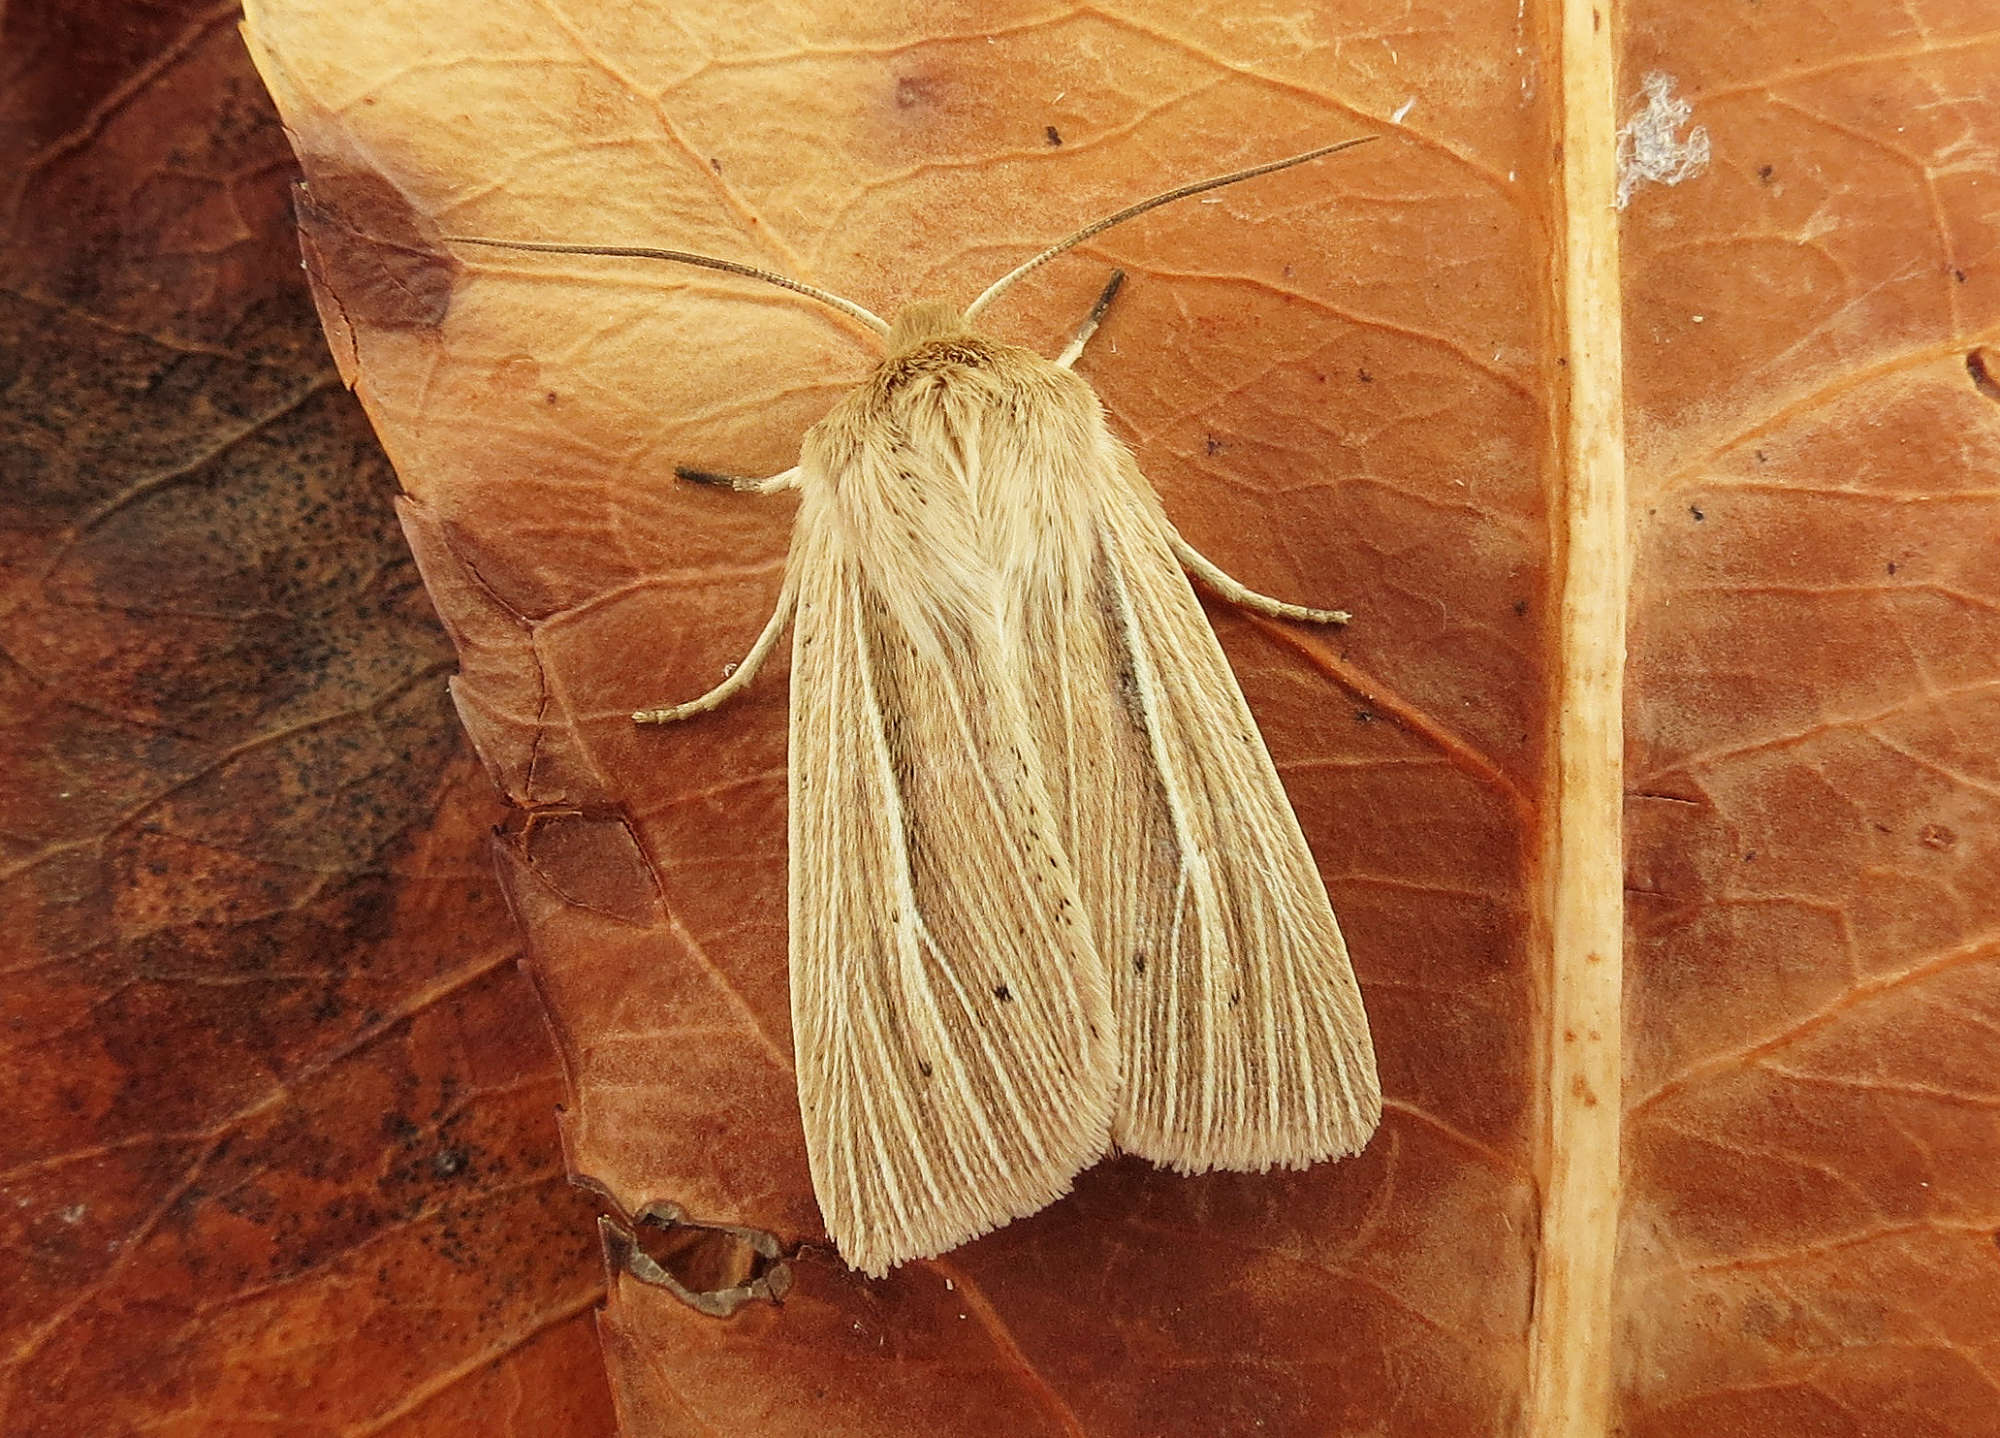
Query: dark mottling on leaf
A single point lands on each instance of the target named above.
(369, 250)
(1981, 365)
(233, 743)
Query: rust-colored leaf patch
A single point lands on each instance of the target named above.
(279, 1152)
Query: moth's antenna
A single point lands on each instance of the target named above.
(636, 252)
(994, 290)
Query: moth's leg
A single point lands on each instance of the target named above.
(1090, 322)
(743, 673)
(1236, 592)
(788, 480)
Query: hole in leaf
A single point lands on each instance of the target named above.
(714, 1268)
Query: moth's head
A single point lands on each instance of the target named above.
(924, 321)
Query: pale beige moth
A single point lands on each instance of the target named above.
(1047, 898)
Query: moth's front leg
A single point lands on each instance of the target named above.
(740, 483)
(774, 628)
(1084, 331)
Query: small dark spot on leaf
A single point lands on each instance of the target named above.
(1749, 856)
(1695, 510)
(924, 1067)
(912, 91)
(449, 1163)
(1003, 993)
(1138, 963)
(1055, 136)
(1364, 716)
(1980, 363)
(552, 397)
(1762, 458)
(1214, 446)
(1765, 172)
(1521, 607)
(1893, 566)
(1958, 274)
(715, 164)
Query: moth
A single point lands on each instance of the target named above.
(1047, 896)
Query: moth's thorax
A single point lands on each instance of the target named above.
(957, 433)
(931, 339)
(961, 464)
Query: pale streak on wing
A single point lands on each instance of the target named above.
(1242, 1036)
(951, 1019)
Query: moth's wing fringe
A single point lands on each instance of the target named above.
(952, 1022)
(1243, 1040)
